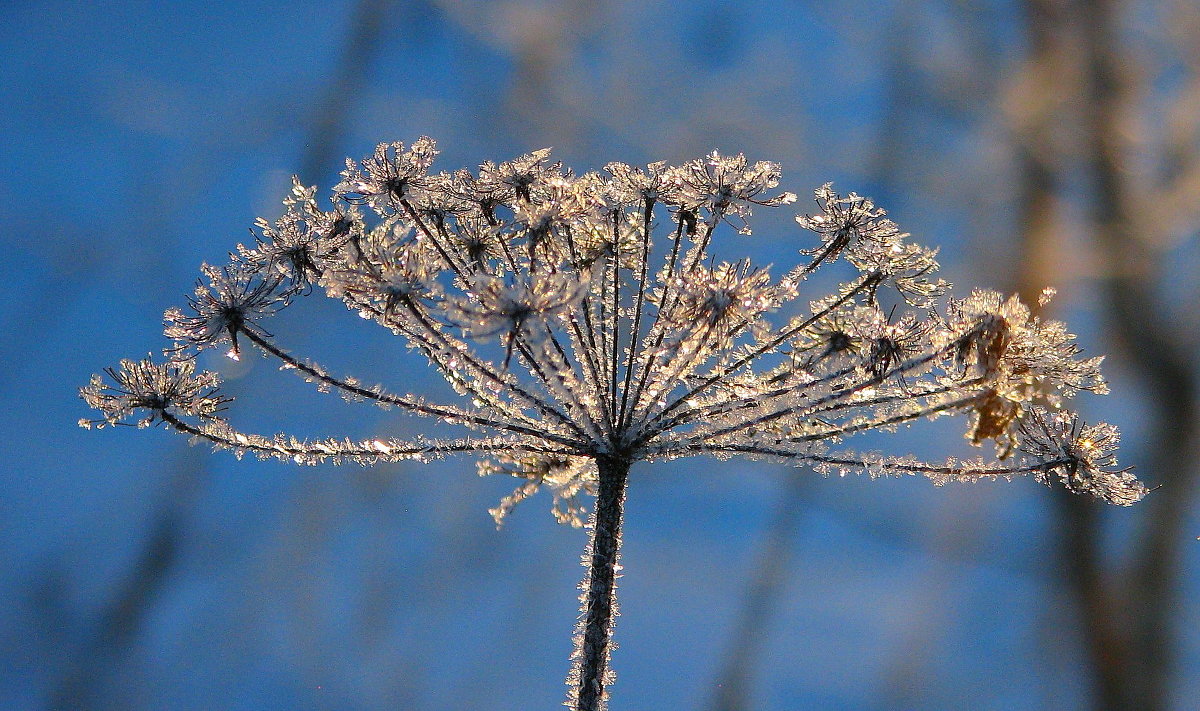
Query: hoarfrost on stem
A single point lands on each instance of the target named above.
(586, 327)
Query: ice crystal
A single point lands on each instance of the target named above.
(301, 244)
(389, 177)
(586, 327)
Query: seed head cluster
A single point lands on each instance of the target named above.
(586, 325)
(583, 316)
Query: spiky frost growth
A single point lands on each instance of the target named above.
(587, 328)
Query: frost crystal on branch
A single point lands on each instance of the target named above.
(566, 477)
(587, 327)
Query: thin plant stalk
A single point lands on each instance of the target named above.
(593, 673)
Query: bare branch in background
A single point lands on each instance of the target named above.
(102, 649)
(1150, 342)
(1127, 617)
(341, 94)
(1036, 103)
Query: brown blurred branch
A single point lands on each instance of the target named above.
(1126, 618)
(122, 621)
(1035, 105)
(1151, 344)
(337, 101)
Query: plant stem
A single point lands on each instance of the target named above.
(594, 639)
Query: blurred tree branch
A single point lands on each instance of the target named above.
(1127, 616)
(338, 99)
(122, 620)
(1150, 342)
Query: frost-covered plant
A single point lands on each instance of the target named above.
(587, 327)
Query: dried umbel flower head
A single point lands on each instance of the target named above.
(1082, 457)
(301, 244)
(587, 328)
(390, 178)
(235, 299)
(149, 392)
